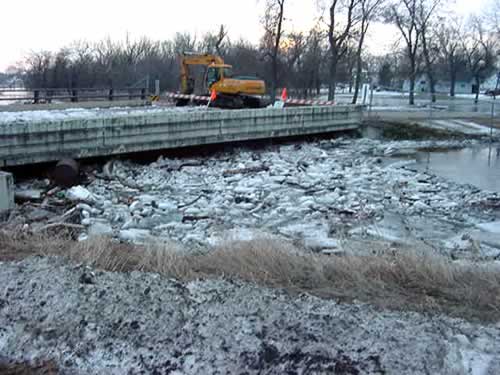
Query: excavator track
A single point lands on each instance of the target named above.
(227, 102)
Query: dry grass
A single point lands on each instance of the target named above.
(40, 368)
(414, 281)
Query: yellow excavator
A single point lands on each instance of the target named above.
(232, 92)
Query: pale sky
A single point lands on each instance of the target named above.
(50, 24)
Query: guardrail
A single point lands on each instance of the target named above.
(298, 102)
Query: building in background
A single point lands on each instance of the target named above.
(463, 85)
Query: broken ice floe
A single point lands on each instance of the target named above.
(314, 194)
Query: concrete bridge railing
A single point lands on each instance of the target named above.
(24, 143)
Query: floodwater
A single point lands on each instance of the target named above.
(397, 102)
(476, 166)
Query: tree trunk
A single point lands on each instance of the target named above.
(428, 65)
(351, 83)
(413, 75)
(333, 77)
(478, 83)
(359, 66)
(274, 83)
(357, 83)
(453, 80)
(412, 91)
(276, 51)
(432, 84)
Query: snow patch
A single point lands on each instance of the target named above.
(94, 113)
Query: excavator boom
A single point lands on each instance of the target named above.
(188, 59)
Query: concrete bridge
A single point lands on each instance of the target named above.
(52, 139)
(41, 137)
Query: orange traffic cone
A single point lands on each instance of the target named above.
(213, 96)
(284, 95)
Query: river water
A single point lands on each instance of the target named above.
(476, 166)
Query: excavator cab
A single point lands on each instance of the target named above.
(213, 75)
(218, 73)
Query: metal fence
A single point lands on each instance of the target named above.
(461, 114)
(74, 95)
(389, 104)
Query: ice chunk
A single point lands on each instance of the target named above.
(100, 229)
(80, 194)
(321, 243)
(135, 206)
(138, 236)
(493, 227)
(167, 206)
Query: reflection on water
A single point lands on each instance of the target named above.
(476, 166)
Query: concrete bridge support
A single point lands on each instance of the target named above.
(6, 192)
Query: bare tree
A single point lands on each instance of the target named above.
(246, 59)
(341, 23)
(294, 48)
(60, 68)
(314, 61)
(221, 36)
(302, 61)
(385, 75)
(404, 14)
(213, 43)
(274, 31)
(492, 16)
(480, 51)
(369, 10)
(184, 42)
(347, 64)
(36, 69)
(426, 10)
(81, 55)
(450, 37)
